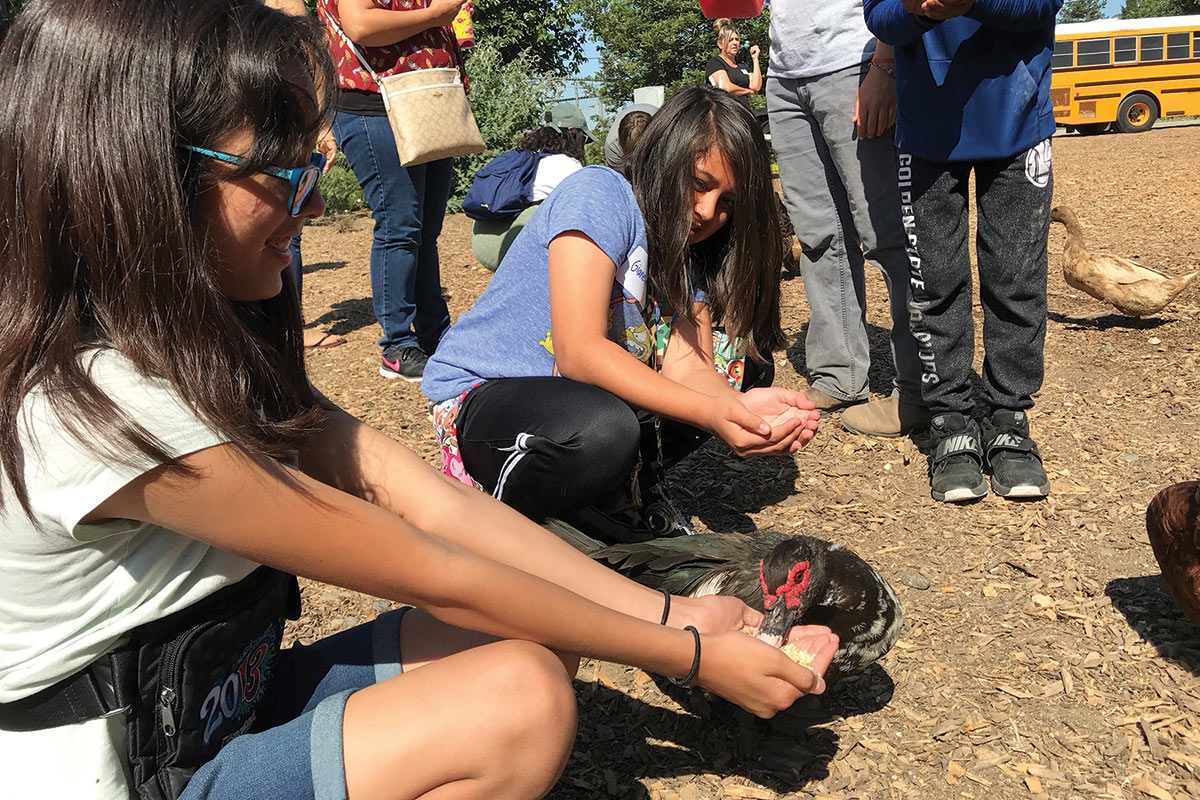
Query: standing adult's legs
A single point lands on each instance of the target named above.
(1013, 197)
(433, 318)
(866, 169)
(396, 196)
(837, 353)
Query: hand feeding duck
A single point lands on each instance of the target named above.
(795, 579)
(1173, 525)
(1133, 289)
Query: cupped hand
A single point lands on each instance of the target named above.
(756, 676)
(818, 641)
(787, 412)
(713, 613)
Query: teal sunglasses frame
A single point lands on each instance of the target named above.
(302, 179)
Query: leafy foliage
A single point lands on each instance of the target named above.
(1081, 11)
(652, 42)
(340, 188)
(1159, 8)
(550, 34)
(508, 97)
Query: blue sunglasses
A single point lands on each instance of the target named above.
(302, 179)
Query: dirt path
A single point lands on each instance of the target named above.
(1043, 659)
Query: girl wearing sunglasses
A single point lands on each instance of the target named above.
(167, 466)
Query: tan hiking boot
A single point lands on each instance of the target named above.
(887, 417)
(826, 403)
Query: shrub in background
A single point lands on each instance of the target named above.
(340, 188)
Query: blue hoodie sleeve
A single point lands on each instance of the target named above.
(891, 23)
(1015, 15)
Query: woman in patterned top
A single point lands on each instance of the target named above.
(408, 203)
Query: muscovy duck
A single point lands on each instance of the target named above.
(795, 579)
(1173, 525)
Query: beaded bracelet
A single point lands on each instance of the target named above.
(666, 606)
(888, 70)
(691, 676)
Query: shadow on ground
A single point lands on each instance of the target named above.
(1107, 321)
(323, 265)
(710, 736)
(346, 316)
(722, 490)
(1149, 610)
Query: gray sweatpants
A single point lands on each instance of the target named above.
(1013, 205)
(842, 199)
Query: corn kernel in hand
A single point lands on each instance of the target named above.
(801, 657)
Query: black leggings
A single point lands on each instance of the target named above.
(548, 446)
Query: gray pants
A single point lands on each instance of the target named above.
(1012, 200)
(843, 202)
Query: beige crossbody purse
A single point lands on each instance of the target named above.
(427, 109)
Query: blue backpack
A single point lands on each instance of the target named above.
(503, 188)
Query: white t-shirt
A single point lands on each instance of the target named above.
(816, 37)
(70, 592)
(550, 172)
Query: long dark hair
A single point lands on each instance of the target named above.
(101, 247)
(743, 259)
(547, 140)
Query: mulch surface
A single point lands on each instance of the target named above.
(1041, 655)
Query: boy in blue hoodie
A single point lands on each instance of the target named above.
(973, 86)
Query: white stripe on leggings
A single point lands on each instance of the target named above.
(515, 454)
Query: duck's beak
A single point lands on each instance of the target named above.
(777, 621)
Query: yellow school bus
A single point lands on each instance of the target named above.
(1125, 73)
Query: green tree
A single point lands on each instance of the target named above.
(653, 42)
(1081, 11)
(508, 97)
(1159, 8)
(550, 34)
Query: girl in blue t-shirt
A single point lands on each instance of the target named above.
(593, 361)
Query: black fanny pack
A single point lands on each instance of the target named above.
(187, 684)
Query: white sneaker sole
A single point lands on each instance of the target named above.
(387, 373)
(1026, 490)
(964, 495)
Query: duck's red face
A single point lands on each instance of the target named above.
(783, 602)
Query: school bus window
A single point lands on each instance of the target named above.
(1124, 49)
(1177, 45)
(1064, 53)
(1152, 48)
(1196, 45)
(1093, 52)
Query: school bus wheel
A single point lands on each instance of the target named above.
(1137, 113)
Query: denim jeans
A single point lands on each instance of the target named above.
(408, 204)
(843, 202)
(296, 267)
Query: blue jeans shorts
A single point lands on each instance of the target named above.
(295, 750)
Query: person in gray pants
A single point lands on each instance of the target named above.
(831, 101)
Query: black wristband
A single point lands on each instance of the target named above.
(691, 676)
(666, 606)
